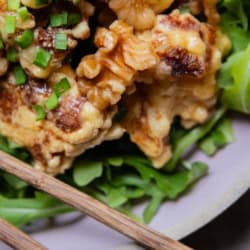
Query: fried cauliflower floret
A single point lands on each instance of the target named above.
(185, 47)
(75, 126)
(182, 84)
(153, 108)
(139, 13)
(105, 76)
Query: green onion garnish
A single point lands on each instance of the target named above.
(61, 41)
(25, 39)
(59, 20)
(13, 4)
(52, 102)
(1, 44)
(42, 59)
(9, 24)
(74, 18)
(61, 87)
(20, 75)
(40, 112)
(23, 13)
(41, 2)
(12, 54)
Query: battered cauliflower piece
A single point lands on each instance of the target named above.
(105, 76)
(184, 45)
(182, 84)
(139, 13)
(76, 125)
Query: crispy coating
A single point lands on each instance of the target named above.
(68, 131)
(77, 124)
(182, 84)
(105, 76)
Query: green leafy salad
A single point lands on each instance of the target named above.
(118, 174)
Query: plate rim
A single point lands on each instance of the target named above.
(218, 206)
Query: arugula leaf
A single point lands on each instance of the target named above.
(225, 79)
(234, 75)
(222, 135)
(22, 211)
(236, 95)
(172, 185)
(234, 22)
(152, 208)
(13, 149)
(84, 172)
(117, 197)
(14, 181)
(235, 9)
(115, 161)
(191, 138)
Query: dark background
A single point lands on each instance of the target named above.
(230, 231)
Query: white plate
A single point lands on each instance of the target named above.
(228, 179)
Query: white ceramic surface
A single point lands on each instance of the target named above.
(228, 179)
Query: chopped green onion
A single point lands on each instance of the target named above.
(41, 2)
(40, 112)
(74, 18)
(20, 75)
(9, 24)
(1, 44)
(61, 87)
(59, 20)
(61, 41)
(23, 13)
(52, 102)
(42, 59)
(184, 10)
(12, 54)
(25, 39)
(13, 4)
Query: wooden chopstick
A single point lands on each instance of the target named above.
(16, 238)
(86, 204)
